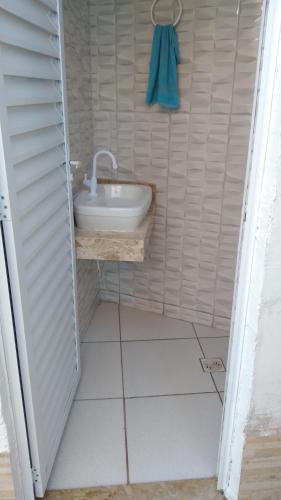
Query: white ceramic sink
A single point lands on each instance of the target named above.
(117, 207)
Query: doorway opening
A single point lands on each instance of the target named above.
(154, 336)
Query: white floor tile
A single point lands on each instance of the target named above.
(143, 325)
(164, 367)
(174, 437)
(207, 331)
(101, 371)
(216, 348)
(92, 451)
(105, 324)
(219, 379)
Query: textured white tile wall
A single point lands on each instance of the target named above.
(78, 80)
(78, 76)
(196, 156)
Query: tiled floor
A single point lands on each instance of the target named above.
(144, 410)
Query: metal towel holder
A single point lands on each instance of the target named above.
(152, 13)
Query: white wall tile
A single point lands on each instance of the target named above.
(196, 156)
(78, 80)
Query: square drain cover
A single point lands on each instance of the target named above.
(211, 365)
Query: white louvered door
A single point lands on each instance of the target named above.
(37, 220)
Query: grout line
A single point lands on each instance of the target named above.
(201, 348)
(215, 385)
(162, 303)
(158, 340)
(123, 389)
(221, 395)
(100, 399)
(165, 270)
(171, 338)
(221, 398)
(216, 388)
(151, 396)
(100, 342)
(238, 13)
(214, 337)
(138, 340)
(149, 340)
(172, 395)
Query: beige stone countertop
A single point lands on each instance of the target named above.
(116, 246)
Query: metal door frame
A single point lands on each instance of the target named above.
(11, 390)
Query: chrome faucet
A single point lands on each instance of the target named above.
(92, 183)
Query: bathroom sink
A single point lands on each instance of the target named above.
(116, 207)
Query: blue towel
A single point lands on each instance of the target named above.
(163, 81)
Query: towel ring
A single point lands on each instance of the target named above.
(152, 13)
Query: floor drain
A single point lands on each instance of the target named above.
(211, 365)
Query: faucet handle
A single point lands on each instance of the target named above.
(75, 164)
(86, 181)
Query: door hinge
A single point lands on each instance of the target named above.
(4, 208)
(35, 474)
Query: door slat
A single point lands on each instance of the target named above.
(38, 233)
